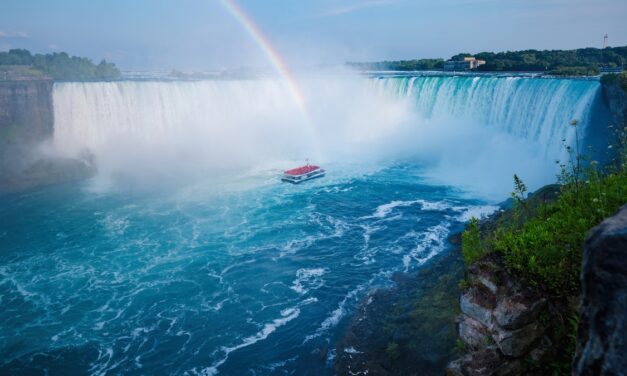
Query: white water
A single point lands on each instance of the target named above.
(473, 132)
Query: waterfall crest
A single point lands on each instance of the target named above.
(500, 124)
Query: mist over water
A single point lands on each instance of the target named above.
(472, 132)
(186, 254)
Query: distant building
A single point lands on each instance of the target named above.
(468, 63)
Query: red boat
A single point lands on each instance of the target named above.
(304, 173)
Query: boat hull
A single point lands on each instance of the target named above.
(302, 178)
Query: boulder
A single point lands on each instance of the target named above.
(517, 342)
(602, 336)
(518, 310)
(487, 273)
(472, 332)
(478, 303)
(487, 361)
(543, 352)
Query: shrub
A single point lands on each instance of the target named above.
(393, 351)
(546, 250)
(472, 249)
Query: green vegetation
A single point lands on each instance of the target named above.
(402, 65)
(472, 247)
(541, 238)
(615, 78)
(579, 62)
(61, 66)
(589, 70)
(392, 351)
(542, 241)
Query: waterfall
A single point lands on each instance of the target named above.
(507, 124)
(536, 109)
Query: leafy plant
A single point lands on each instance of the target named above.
(393, 351)
(472, 248)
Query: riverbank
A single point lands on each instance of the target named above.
(408, 329)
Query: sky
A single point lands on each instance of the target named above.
(193, 35)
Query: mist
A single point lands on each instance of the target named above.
(174, 134)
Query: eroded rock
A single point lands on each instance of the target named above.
(472, 332)
(602, 339)
(518, 310)
(478, 303)
(517, 342)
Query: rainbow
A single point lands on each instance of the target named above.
(273, 56)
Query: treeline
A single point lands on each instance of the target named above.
(61, 66)
(583, 61)
(402, 65)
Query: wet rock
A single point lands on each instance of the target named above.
(602, 337)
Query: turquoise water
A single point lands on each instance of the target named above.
(151, 268)
(252, 281)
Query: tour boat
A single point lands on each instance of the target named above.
(301, 174)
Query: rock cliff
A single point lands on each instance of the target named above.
(602, 336)
(616, 100)
(26, 113)
(26, 121)
(500, 323)
(507, 328)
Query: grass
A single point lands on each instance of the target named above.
(542, 240)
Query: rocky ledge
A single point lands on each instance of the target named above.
(499, 323)
(506, 327)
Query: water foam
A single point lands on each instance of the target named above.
(308, 278)
(149, 131)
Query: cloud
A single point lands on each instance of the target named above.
(14, 34)
(53, 46)
(357, 7)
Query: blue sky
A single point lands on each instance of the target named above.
(200, 34)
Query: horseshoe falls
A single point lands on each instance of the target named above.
(186, 255)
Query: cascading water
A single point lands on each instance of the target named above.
(536, 109)
(211, 126)
(222, 276)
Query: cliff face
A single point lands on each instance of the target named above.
(500, 324)
(26, 113)
(506, 326)
(27, 120)
(602, 337)
(616, 99)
